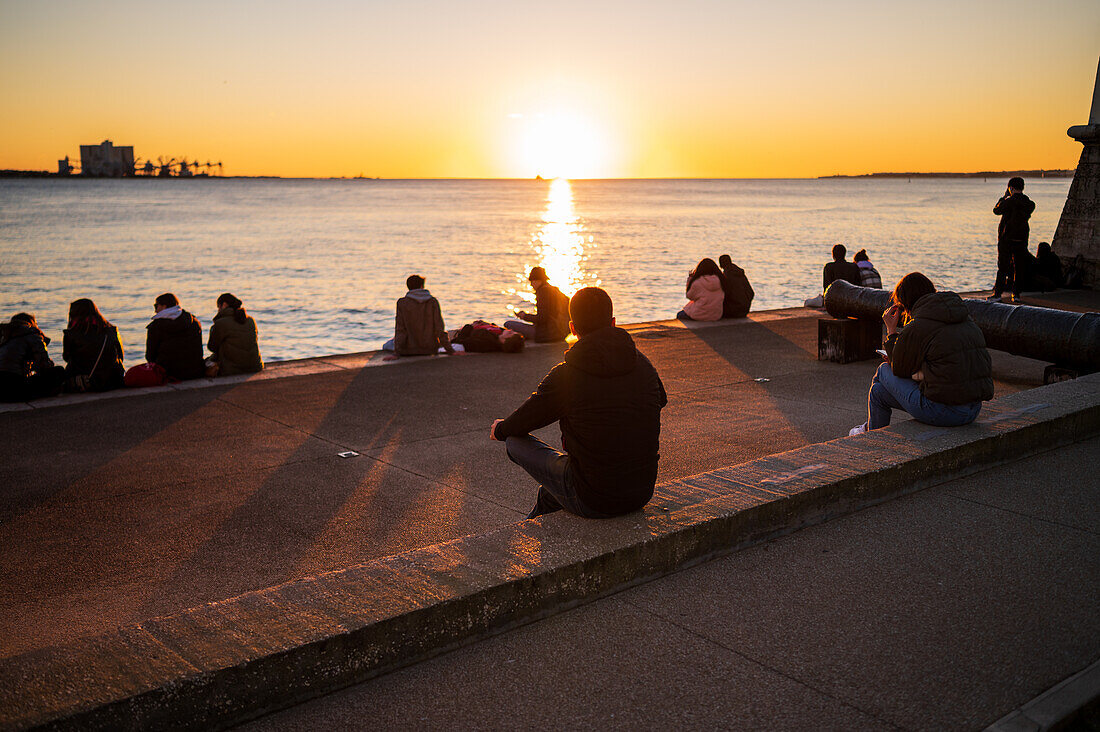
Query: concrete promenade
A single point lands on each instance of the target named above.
(943, 610)
(147, 504)
(136, 506)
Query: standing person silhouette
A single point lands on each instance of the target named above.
(1015, 209)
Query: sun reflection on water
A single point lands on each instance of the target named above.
(560, 245)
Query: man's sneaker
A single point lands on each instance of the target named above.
(994, 298)
(857, 430)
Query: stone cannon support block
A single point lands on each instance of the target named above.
(225, 662)
(843, 340)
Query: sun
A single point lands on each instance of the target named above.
(561, 145)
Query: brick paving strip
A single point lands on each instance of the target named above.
(225, 662)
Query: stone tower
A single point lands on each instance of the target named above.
(1079, 227)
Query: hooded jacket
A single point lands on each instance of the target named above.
(608, 399)
(705, 298)
(82, 348)
(943, 343)
(739, 292)
(176, 345)
(1014, 210)
(23, 348)
(419, 325)
(235, 345)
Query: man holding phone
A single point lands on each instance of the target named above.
(1015, 209)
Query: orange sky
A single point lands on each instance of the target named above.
(425, 88)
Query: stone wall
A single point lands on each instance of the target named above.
(1079, 227)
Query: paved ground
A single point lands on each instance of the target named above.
(945, 609)
(122, 509)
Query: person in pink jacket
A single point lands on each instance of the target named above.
(706, 292)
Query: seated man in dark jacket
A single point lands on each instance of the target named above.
(174, 340)
(840, 269)
(607, 398)
(739, 292)
(550, 321)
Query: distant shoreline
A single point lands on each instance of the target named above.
(983, 174)
(1068, 173)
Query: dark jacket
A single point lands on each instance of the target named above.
(608, 398)
(419, 326)
(176, 345)
(739, 293)
(842, 270)
(235, 345)
(81, 349)
(1014, 210)
(551, 314)
(943, 343)
(1049, 267)
(23, 349)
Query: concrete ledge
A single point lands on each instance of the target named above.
(1057, 708)
(229, 661)
(365, 359)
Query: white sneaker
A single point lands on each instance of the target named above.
(857, 430)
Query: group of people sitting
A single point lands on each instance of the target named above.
(419, 329)
(93, 354)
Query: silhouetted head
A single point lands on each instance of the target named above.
(861, 256)
(589, 310)
(511, 341)
(85, 315)
(1043, 249)
(1016, 184)
(167, 300)
(414, 282)
(24, 319)
(229, 300)
(839, 250)
(910, 288)
(538, 274)
(724, 261)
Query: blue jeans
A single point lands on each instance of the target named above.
(557, 482)
(527, 330)
(893, 392)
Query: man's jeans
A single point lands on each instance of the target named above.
(892, 392)
(527, 330)
(557, 483)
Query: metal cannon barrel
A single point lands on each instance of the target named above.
(1056, 336)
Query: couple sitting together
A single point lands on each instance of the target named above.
(717, 291)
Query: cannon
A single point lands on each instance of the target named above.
(1068, 340)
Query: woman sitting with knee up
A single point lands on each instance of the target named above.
(26, 370)
(706, 292)
(937, 367)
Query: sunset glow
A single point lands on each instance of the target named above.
(615, 89)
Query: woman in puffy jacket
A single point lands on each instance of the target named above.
(233, 339)
(937, 367)
(26, 371)
(91, 350)
(706, 292)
